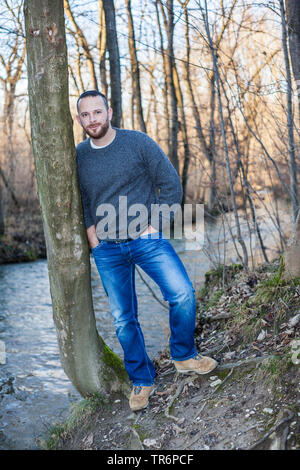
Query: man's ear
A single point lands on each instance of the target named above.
(78, 119)
(110, 113)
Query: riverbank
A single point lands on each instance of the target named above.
(250, 323)
(24, 236)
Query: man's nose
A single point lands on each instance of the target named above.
(92, 118)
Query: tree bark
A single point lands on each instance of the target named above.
(114, 61)
(2, 218)
(87, 361)
(292, 253)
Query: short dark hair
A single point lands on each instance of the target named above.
(92, 93)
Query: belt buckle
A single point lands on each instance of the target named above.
(123, 241)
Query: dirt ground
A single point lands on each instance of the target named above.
(250, 401)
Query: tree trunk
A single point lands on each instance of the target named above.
(165, 74)
(184, 132)
(174, 112)
(2, 218)
(292, 253)
(114, 62)
(102, 48)
(87, 361)
(293, 23)
(290, 119)
(135, 71)
(169, 27)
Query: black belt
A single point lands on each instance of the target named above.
(119, 241)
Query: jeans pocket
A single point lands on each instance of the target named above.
(97, 246)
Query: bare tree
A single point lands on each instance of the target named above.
(170, 62)
(207, 147)
(83, 43)
(101, 46)
(244, 258)
(135, 71)
(165, 78)
(114, 61)
(12, 60)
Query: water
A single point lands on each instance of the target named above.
(34, 391)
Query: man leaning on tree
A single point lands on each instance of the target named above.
(122, 173)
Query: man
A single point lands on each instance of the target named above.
(126, 171)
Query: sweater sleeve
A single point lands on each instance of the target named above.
(166, 181)
(88, 219)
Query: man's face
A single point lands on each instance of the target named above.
(93, 116)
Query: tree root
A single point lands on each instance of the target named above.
(273, 429)
(176, 395)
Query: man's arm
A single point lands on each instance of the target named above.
(88, 220)
(164, 177)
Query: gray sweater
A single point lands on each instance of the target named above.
(131, 170)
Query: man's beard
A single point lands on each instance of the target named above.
(101, 133)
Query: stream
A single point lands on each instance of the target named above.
(35, 393)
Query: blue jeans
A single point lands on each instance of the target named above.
(156, 256)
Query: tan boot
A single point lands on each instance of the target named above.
(198, 364)
(139, 397)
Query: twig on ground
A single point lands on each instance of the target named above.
(221, 316)
(216, 349)
(167, 372)
(246, 362)
(227, 377)
(175, 396)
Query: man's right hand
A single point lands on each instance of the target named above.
(92, 237)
